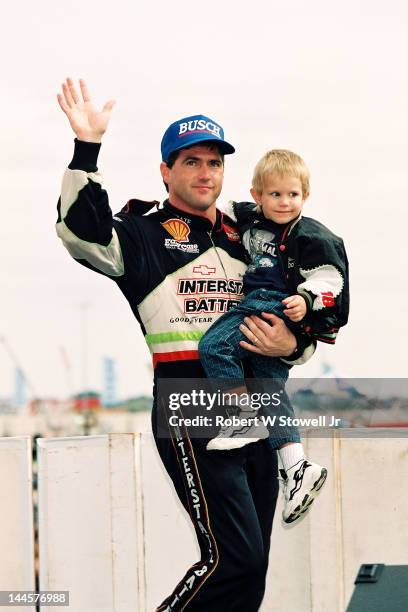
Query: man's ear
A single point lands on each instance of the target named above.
(256, 195)
(165, 172)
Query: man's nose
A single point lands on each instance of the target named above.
(204, 173)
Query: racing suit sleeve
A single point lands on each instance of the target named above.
(85, 224)
(305, 349)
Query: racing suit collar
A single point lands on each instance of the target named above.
(195, 221)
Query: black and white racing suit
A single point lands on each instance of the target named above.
(179, 273)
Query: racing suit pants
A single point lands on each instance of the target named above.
(230, 497)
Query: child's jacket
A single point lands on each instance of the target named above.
(314, 264)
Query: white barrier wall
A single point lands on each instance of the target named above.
(67, 424)
(89, 509)
(113, 533)
(16, 524)
(305, 564)
(359, 517)
(374, 504)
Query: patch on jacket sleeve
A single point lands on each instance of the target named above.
(324, 282)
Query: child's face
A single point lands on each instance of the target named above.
(282, 198)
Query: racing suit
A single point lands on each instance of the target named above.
(179, 273)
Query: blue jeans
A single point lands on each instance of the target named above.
(221, 356)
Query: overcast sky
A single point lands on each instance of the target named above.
(327, 80)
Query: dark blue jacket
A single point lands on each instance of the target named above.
(314, 265)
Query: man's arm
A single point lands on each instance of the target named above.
(85, 223)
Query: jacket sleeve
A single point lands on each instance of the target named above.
(324, 268)
(305, 349)
(85, 224)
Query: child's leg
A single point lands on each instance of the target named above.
(301, 484)
(276, 410)
(220, 351)
(290, 454)
(302, 479)
(221, 356)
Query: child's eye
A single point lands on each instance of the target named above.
(293, 194)
(275, 194)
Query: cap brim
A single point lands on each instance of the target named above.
(225, 147)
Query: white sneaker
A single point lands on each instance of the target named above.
(237, 435)
(301, 484)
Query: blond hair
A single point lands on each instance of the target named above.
(282, 163)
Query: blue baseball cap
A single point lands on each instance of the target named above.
(190, 131)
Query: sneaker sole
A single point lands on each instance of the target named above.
(223, 444)
(308, 500)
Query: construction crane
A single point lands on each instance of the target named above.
(10, 352)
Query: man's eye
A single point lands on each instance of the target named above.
(190, 162)
(216, 164)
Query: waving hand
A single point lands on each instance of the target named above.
(88, 123)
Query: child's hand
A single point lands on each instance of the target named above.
(295, 307)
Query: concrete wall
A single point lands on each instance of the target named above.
(360, 517)
(16, 525)
(110, 524)
(89, 512)
(67, 424)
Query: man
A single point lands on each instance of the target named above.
(230, 496)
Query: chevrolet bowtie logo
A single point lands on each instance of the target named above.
(204, 270)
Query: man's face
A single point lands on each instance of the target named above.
(195, 180)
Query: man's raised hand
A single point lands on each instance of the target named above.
(88, 123)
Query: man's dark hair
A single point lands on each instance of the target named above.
(173, 156)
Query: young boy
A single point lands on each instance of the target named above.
(299, 271)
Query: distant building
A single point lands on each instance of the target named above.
(7, 406)
(142, 403)
(87, 400)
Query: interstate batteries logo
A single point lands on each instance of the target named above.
(209, 295)
(179, 232)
